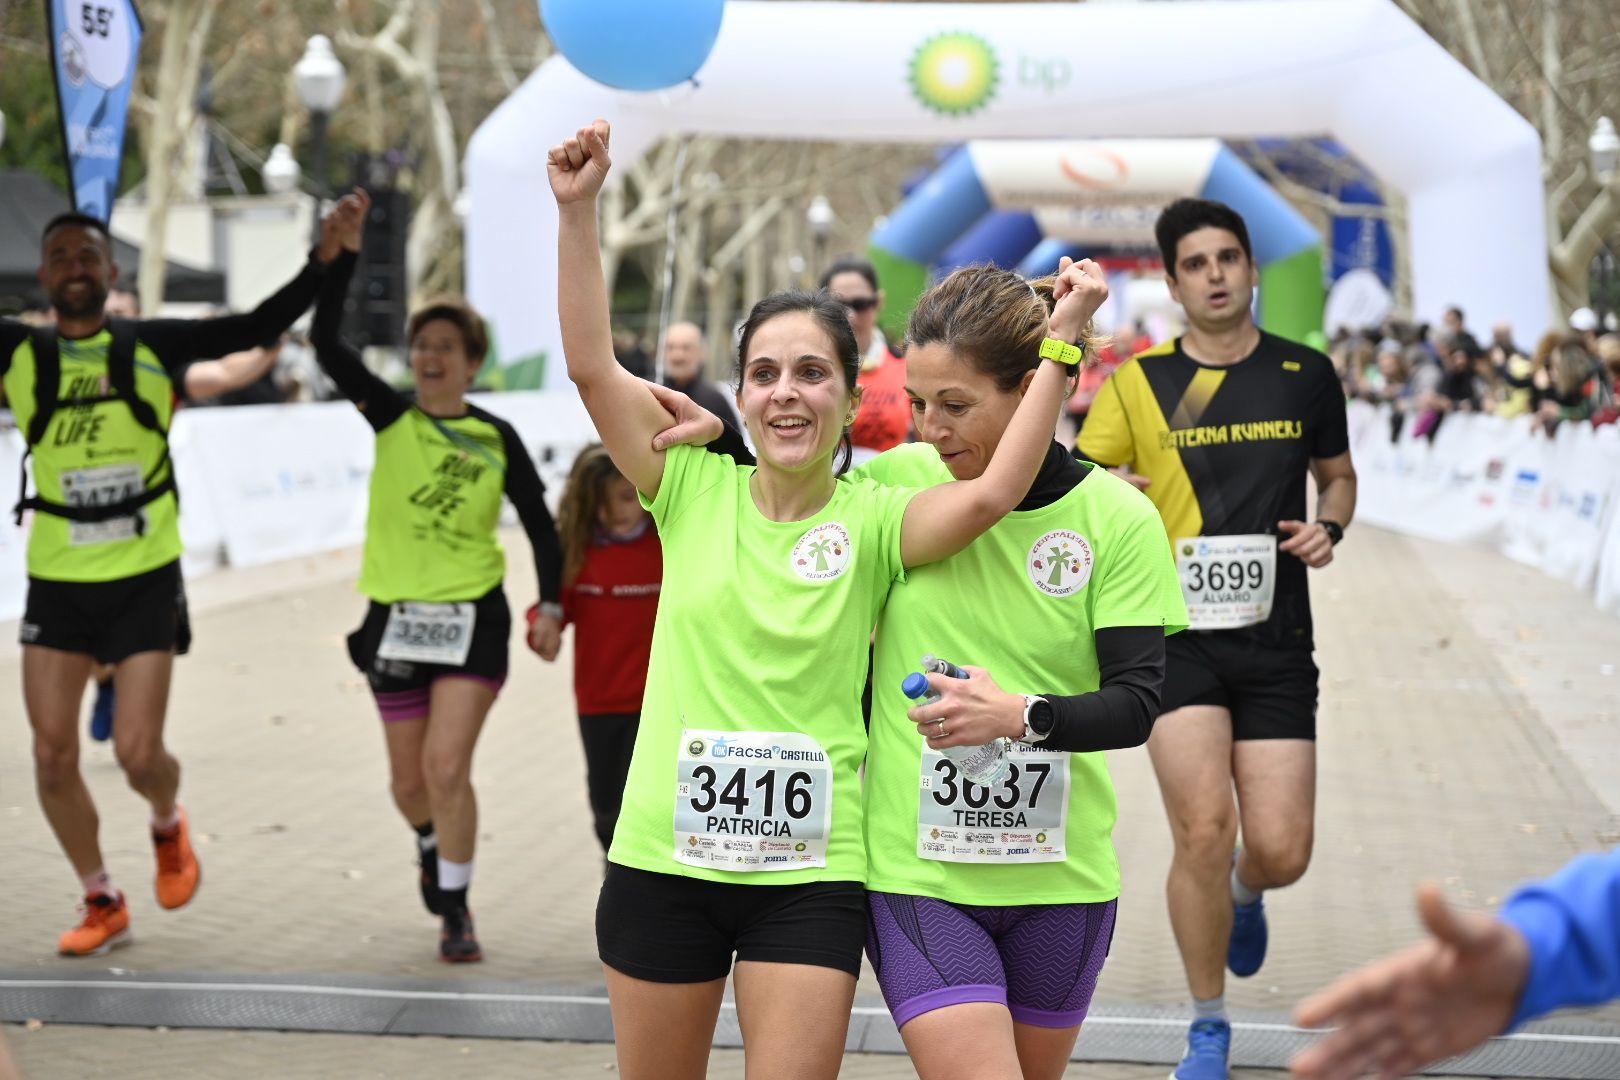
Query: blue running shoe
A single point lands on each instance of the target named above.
(101, 715)
(1246, 950)
(1209, 1043)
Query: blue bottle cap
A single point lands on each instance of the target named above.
(915, 685)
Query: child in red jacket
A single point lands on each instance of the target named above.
(612, 570)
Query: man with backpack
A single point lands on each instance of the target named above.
(93, 398)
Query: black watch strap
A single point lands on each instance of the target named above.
(1334, 530)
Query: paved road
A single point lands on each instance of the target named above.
(1468, 733)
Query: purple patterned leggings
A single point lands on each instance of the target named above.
(1039, 960)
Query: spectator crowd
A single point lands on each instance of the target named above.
(1427, 372)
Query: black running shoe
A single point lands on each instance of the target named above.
(457, 942)
(428, 862)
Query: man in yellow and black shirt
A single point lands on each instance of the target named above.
(94, 398)
(1220, 427)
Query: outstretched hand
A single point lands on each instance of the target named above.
(1430, 1001)
(1079, 291)
(578, 166)
(343, 225)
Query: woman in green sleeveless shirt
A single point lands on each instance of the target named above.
(434, 641)
(741, 830)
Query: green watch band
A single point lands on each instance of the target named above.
(1061, 351)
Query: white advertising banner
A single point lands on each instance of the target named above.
(1552, 503)
(284, 480)
(13, 541)
(1026, 173)
(200, 533)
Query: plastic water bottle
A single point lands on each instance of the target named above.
(982, 765)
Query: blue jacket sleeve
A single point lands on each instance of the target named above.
(1572, 922)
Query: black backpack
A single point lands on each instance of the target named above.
(121, 385)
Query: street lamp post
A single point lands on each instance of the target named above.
(2, 129)
(1604, 148)
(280, 172)
(319, 77)
(819, 217)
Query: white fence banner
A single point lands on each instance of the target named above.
(1552, 503)
(284, 480)
(13, 541)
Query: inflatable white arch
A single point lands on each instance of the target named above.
(1358, 70)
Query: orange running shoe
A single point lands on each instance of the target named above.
(178, 871)
(105, 927)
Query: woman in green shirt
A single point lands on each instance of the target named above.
(434, 642)
(741, 828)
(992, 907)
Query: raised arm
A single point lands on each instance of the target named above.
(943, 520)
(378, 402)
(181, 341)
(626, 414)
(211, 378)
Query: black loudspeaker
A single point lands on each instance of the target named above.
(379, 295)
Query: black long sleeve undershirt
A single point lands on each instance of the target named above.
(527, 494)
(1120, 713)
(378, 402)
(178, 343)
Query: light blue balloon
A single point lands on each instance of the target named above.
(634, 44)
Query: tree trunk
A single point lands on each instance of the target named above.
(172, 116)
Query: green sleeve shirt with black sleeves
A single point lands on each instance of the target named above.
(437, 485)
(99, 454)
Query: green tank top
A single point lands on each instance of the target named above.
(96, 454)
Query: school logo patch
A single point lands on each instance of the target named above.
(823, 553)
(1060, 563)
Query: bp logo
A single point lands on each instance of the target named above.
(954, 74)
(696, 747)
(823, 553)
(1060, 563)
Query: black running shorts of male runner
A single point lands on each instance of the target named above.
(672, 929)
(109, 620)
(1270, 690)
(401, 686)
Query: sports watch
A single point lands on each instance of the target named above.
(1039, 716)
(1062, 351)
(1334, 530)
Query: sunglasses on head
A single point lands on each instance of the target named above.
(858, 304)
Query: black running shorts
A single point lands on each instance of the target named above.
(109, 620)
(487, 657)
(1270, 690)
(672, 929)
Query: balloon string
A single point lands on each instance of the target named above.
(668, 303)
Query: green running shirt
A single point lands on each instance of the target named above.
(758, 661)
(1024, 601)
(437, 484)
(99, 450)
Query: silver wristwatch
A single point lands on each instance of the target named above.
(1038, 717)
